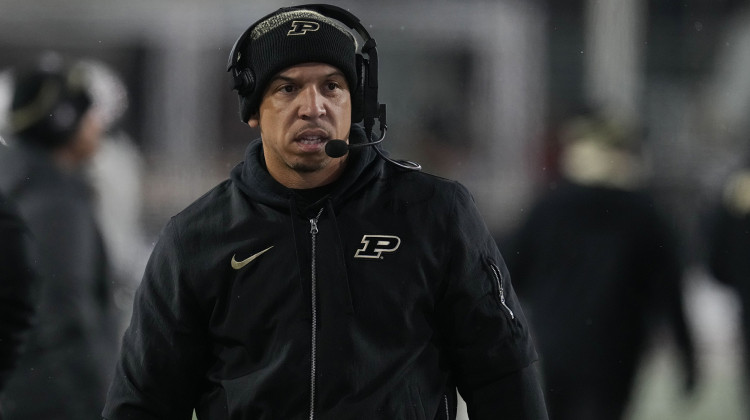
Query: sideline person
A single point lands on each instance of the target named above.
(320, 284)
(67, 364)
(599, 269)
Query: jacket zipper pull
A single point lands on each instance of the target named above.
(502, 300)
(501, 290)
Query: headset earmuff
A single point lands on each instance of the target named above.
(244, 81)
(243, 78)
(244, 84)
(357, 91)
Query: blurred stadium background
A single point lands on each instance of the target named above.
(474, 90)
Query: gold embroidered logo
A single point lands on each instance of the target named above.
(239, 264)
(373, 246)
(301, 27)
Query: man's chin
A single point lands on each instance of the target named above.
(309, 166)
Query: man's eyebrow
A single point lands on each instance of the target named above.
(282, 78)
(336, 73)
(288, 79)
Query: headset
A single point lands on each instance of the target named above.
(365, 105)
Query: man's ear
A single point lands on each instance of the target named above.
(254, 121)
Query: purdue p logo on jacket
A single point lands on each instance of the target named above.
(373, 246)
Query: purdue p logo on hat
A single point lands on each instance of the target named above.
(300, 27)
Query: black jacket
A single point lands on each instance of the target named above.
(728, 245)
(17, 277)
(409, 298)
(67, 364)
(599, 269)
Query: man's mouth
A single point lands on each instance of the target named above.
(311, 140)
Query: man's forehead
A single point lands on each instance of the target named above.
(309, 69)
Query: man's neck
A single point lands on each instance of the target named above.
(306, 180)
(66, 160)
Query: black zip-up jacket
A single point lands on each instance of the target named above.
(373, 303)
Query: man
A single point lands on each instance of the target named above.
(728, 247)
(600, 272)
(65, 369)
(319, 287)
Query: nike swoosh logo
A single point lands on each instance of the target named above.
(239, 264)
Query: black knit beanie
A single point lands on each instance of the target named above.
(48, 103)
(291, 37)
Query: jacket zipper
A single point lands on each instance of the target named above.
(447, 412)
(314, 298)
(500, 290)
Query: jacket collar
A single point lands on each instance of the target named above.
(253, 179)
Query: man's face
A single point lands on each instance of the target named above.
(87, 138)
(302, 108)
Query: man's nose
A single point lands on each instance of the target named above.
(312, 103)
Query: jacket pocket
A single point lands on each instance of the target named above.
(275, 392)
(415, 403)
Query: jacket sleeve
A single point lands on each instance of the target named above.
(664, 258)
(163, 350)
(487, 336)
(727, 244)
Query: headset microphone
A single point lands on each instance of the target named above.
(337, 148)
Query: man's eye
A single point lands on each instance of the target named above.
(332, 86)
(286, 88)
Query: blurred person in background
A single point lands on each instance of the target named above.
(116, 175)
(54, 133)
(599, 270)
(728, 247)
(316, 283)
(17, 280)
